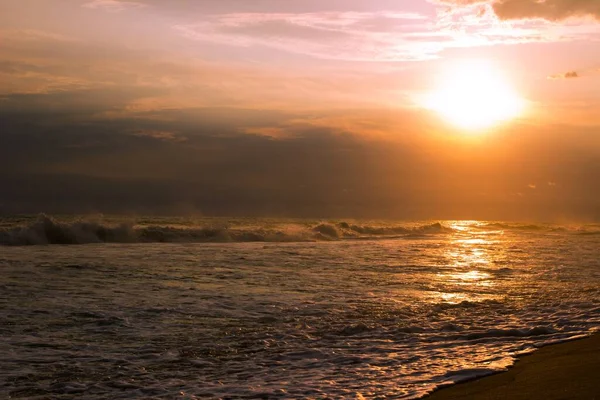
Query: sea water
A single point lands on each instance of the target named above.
(223, 309)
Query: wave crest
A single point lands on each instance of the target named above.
(347, 230)
(47, 230)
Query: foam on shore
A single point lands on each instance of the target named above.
(561, 371)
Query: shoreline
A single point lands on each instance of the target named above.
(568, 370)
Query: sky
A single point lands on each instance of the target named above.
(306, 108)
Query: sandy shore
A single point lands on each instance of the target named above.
(564, 371)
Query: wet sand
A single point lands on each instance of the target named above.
(564, 371)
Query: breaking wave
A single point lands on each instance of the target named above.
(47, 230)
(345, 230)
(520, 227)
(584, 230)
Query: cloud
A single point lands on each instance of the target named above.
(566, 75)
(582, 73)
(113, 5)
(550, 10)
(359, 36)
(354, 36)
(33, 35)
(327, 159)
(572, 74)
(157, 80)
(271, 132)
(165, 136)
(488, 22)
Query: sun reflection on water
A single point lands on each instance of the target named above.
(467, 274)
(468, 278)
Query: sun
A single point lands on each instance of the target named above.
(474, 95)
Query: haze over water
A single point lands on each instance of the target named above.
(282, 308)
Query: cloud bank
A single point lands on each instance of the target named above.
(205, 160)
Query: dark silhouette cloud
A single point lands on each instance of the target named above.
(72, 160)
(552, 10)
(566, 75)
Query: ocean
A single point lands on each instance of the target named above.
(209, 308)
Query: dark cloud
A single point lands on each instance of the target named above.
(74, 102)
(166, 136)
(84, 166)
(582, 73)
(566, 75)
(551, 10)
(67, 161)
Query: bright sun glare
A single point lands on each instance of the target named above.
(474, 95)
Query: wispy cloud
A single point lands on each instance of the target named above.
(359, 36)
(382, 36)
(164, 136)
(33, 35)
(113, 5)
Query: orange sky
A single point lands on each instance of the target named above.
(298, 107)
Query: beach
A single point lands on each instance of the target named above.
(563, 371)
